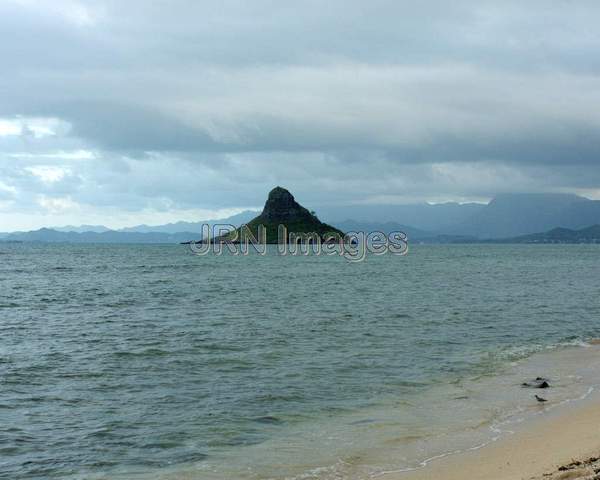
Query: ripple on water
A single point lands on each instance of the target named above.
(123, 357)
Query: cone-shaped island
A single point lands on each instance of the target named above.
(281, 209)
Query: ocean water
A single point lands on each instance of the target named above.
(126, 362)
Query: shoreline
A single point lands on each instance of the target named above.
(529, 443)
(563, 442)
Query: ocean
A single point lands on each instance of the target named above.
(148, 362)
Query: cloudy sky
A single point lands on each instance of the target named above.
(121, 113)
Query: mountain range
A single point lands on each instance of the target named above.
(429, 217)
(507, 216)
(523, 214)
(54, 236)
(235, 220)
(560, 235)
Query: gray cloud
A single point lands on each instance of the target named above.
(206, 105)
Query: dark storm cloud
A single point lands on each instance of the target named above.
(181, 104)
(132, 127)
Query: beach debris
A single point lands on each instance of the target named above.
(576, 470)
(539, 382)
(570, 466)
(540, 399)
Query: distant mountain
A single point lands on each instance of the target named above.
(506, 216)
(48, 235)
(282, 209)
(561, 235)
(82, 228)
(387, 227)
(235, 220)
(512, 215)
(178, 227)
(437, 217)
(413, 234)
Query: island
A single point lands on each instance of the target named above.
(282, 211)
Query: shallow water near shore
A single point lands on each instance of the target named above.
(149, 362)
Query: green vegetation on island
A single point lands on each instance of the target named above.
(282, 209)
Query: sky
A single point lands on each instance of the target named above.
(122, 113)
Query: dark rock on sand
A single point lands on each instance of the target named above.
(539, 382)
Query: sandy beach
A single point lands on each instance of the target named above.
(560, 444)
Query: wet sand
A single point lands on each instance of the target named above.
(560, 444)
